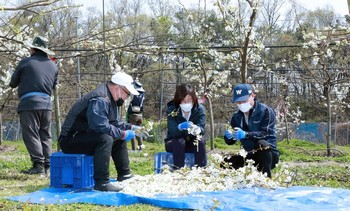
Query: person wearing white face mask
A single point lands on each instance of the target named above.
(184, 114)
(254, 126)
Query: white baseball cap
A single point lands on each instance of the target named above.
(125, 80)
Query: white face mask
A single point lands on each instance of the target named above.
(186, 107)
(244, 107)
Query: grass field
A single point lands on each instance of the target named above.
(307, 160)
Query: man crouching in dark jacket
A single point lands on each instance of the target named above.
(254, 126)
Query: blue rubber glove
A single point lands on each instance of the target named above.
(238, 134)
(184, 125)
(130, 134)
(228, 134)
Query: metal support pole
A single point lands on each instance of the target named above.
(57, 115)
(78, 61)
(104, 42)
(161, 92)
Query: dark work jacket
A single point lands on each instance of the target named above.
(95, 112)
(35, 74)
(174, 118)
(137, 100)
(261, 126)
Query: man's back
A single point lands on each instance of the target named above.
(35, 77)
(35, 74)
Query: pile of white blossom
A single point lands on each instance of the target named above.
(185, 181)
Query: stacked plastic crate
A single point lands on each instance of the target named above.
(166, 158)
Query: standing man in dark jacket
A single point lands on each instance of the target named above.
(134, 114)
(185, 114)
(254, 126)
(93, 127)
(36, 77)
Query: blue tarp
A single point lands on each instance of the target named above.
(293, 198)
(315, 132)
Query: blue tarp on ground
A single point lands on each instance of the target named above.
(293, 198)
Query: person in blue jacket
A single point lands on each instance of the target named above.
(185, 114)
(254, 127)
(93, 127)
(36, 78)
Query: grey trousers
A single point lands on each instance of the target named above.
(36, 132)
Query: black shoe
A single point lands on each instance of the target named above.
(47, 170)
(38, 168)
(124, 177)
(107, 187)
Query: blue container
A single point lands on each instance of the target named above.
(166, 158)
(71, 170)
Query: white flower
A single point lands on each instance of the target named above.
(298, 57)
(329, 53)
(195, 130)
(315, 60)
(243, 153)
(210, 178)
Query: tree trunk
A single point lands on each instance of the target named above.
(1, 128)
(286, 122)
(211, 121)
(329, 120)
(244, 68)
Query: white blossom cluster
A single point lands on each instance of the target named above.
(185, 181)
(196, 131)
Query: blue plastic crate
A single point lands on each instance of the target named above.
(166, 158)
(71, 170)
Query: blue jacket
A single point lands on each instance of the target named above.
(95, 112)
(261, 126)
(35, 74)
(174, 118)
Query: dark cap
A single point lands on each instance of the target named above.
(241, 93)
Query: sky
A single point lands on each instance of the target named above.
(340, 6)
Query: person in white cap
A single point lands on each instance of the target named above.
(134, 114)
(93, 127)
(36, 77)
(254, 127)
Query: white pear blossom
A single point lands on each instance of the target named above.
(298, 57)
(211, 178)
(329, 53)
(243, 153)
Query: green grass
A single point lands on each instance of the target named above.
(307, 160)
(297, 150)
